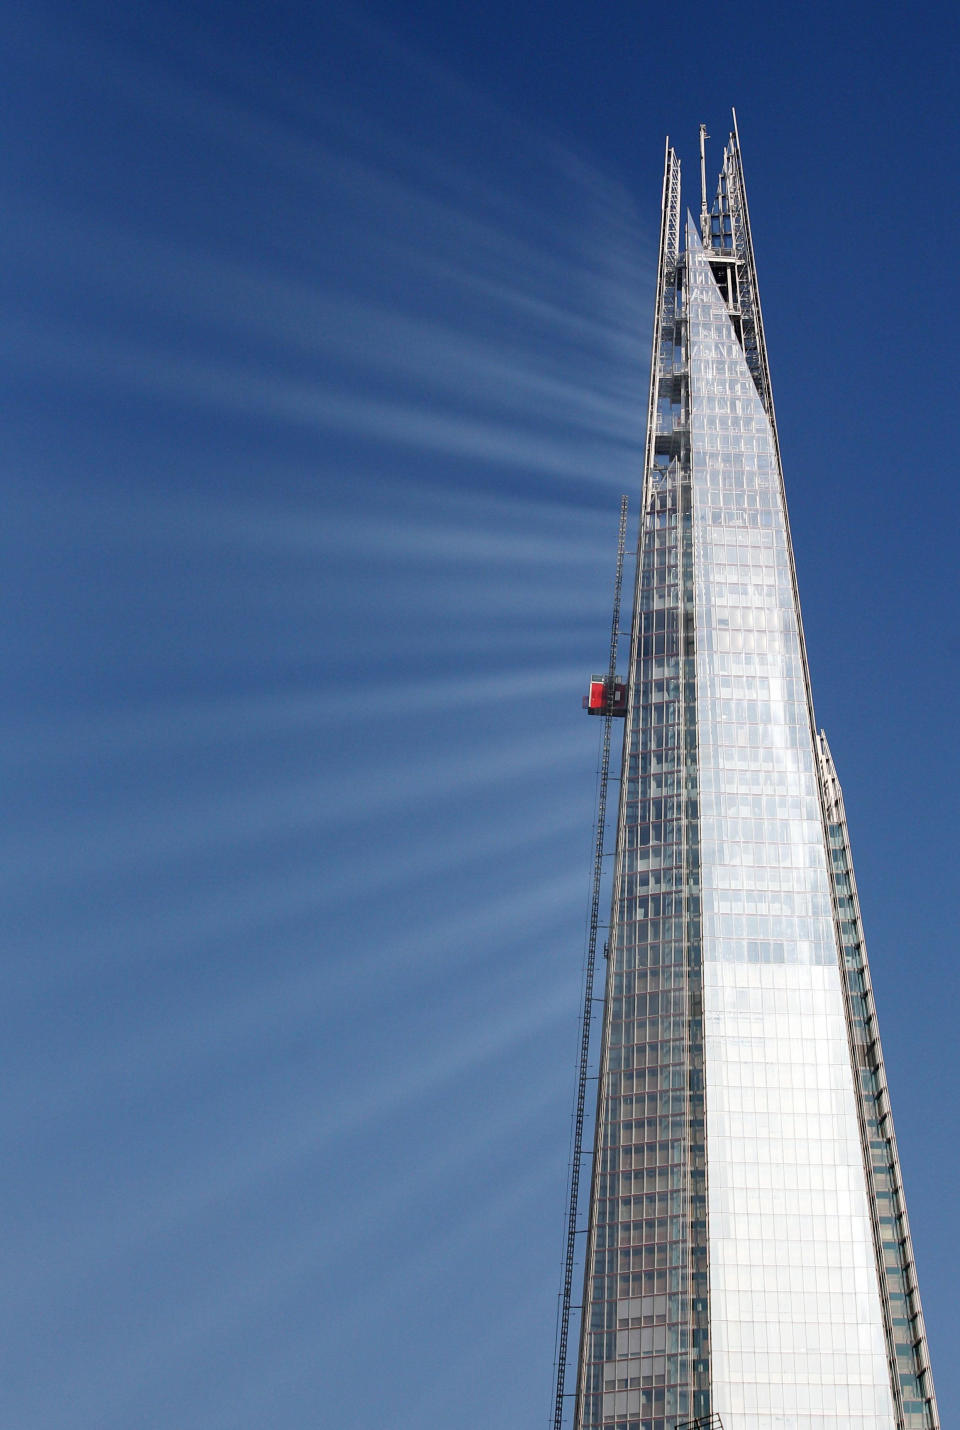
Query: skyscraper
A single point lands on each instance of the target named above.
(748, 1253)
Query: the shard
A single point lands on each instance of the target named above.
(748, 1256)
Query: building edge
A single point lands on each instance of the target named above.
(907, 1350)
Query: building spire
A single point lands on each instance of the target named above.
(704, 211)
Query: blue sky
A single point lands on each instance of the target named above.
(324, 347)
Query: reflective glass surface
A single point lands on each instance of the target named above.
(797, 1338)
(906, 1335)
(644, 1354)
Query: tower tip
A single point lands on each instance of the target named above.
(704, 210)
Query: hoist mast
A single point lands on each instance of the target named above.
(608, 699)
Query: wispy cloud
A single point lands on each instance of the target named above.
(322, 406)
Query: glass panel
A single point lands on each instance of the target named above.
(906, 1337)
(797, 1335)
(644, 1350)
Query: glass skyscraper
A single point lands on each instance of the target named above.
(748, 1252)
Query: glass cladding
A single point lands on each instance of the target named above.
(906, 1337)
(796, 1329)
(644, 1350)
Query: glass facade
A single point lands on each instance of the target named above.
(796, 1325)
(906, 1337)
(748, 1253)
(642, 1345)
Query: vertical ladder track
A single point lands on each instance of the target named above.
(587, 1014)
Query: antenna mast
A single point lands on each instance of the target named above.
(704, 210)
